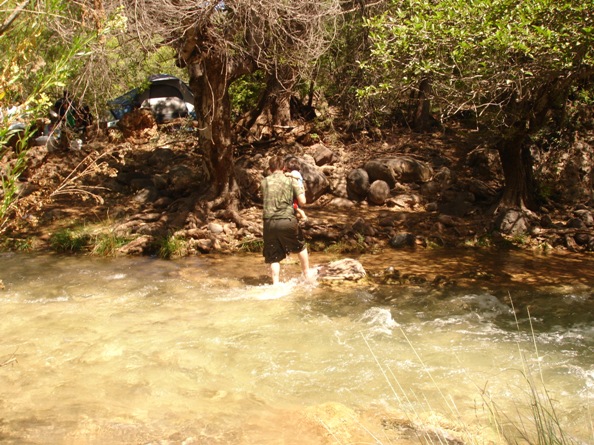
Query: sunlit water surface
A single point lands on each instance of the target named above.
(202, 351)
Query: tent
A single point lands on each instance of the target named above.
(167, 96)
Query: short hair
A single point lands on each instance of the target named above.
(276, 163)
(293, 163)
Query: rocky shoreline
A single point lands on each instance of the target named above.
(401, 192)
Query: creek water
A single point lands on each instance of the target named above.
(202, 351)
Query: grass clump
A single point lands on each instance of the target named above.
(16, 245)
(351, 245)
(171, 246)
(251, 245)
(70, 240)
(483, 241)
(108, 244)
(94, 239)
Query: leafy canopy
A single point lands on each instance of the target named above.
(476, 53)
(42, 44)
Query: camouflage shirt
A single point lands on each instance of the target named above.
(279, 191)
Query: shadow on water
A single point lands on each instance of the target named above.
(486, 268)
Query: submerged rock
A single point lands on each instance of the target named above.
(346, 269)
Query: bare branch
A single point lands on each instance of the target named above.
(297, 32)
(13, 16)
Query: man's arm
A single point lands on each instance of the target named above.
(301, 199)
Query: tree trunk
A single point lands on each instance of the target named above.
(274, 108)
(211, 72)
(516, 160)
(421, 119)
(526, 119)
(209, 84)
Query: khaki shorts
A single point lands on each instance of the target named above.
(281, 237)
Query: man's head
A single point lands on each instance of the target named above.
(292, 163)
(276, 163)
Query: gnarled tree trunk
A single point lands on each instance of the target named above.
(274, 108)
(208, 81)
(211, 71)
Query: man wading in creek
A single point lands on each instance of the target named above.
(282, 234)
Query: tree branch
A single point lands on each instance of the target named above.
(13, 16)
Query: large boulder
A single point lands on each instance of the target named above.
(586, 216)
(249, 172)
(357, 184)
(323, 155)
(513, 222)
(316, 182)
(378, 193)
(338, 182)
(402, 240)
(407, 169)
(398, 169)
(346, 269)
(378, 170)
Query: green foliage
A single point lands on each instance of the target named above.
(251, 245)
(245, 92)
(339, 73)
(107, 244)
(16, 244)
(70, 241)
(476, 54)
(37, 56)
(171, 247)
(42, 49)
(14, 162)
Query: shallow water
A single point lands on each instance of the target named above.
(202, 350)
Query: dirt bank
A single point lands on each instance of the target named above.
(135, 196)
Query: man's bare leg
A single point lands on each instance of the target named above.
(275, 272)
(308, 274)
